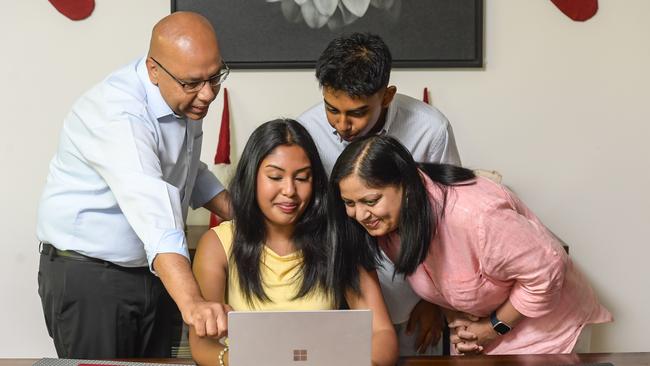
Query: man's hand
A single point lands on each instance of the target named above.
(208, 318)
(426, 319)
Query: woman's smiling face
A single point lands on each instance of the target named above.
(377, 209)
(284, 185)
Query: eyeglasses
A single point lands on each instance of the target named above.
(194, 86)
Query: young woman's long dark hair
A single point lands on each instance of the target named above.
(381, 161)
(250, 230)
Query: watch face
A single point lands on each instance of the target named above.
(501, 328)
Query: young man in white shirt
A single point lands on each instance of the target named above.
(353, 72)
(112, 213)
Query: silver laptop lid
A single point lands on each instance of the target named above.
(300, 338)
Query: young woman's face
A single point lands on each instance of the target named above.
(284, 185)
(376, 209)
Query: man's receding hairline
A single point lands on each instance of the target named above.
(179, 27)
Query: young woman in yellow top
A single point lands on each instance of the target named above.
(274, 255)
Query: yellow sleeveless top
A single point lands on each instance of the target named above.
(280, 279)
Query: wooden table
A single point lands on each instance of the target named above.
(618, 359)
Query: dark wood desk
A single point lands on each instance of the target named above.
(618, 359)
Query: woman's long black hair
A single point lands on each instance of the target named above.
(250, 228)
(381, 161)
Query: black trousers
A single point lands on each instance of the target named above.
(98, 310)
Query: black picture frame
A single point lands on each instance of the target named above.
(254, 34)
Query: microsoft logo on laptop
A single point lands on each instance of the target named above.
(300, 355)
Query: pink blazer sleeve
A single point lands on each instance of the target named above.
(519, 250)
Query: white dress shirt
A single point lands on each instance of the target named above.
(427, 134)
(420, 127)
(124, 174)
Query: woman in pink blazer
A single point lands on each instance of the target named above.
(465, 243)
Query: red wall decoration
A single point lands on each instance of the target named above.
(74, 9)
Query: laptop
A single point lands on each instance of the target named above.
(300, 338)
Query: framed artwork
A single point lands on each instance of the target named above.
(268, 34)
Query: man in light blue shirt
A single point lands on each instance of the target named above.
(112, 214)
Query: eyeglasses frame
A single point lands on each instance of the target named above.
(223, 75)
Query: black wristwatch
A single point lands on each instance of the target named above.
(500, 327)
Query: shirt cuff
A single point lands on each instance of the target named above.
(207, 186)
(172, 241)
(534, 305)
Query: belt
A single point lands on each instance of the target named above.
(52, 251)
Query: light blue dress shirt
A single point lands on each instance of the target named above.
(124, 174)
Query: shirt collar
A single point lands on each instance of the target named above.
(390, 117)
(155, 101)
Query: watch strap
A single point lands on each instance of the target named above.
(499, 326)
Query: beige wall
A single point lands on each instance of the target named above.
(560, 110)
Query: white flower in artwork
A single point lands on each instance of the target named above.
(334, 13)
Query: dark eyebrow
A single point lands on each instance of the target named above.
(365, 198)
(195, 80)
(360, 109)
(198, 80)
(219, 72)
(308, 167)
(329, 105)
(274, 166)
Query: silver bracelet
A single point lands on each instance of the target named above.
(221, 354)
